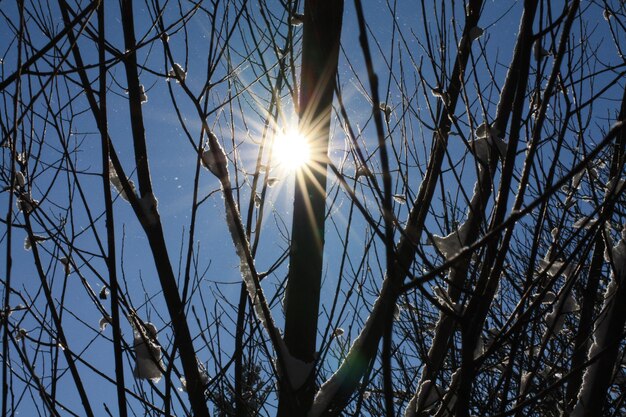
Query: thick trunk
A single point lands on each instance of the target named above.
(320, 51)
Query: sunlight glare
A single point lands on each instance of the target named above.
(292, 150)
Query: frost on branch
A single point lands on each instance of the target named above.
(148, 362)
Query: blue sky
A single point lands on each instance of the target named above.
(173, 159)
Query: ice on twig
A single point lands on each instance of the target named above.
(524, 381)
(444, 299)
(487, 137)
(272, 181)
(577, 179)
(449, 398)
(396, 312)
(614, 187)
(479, 349)
(485, 130)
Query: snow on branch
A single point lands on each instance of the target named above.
(601, 337)
(116, 182)
(293, 370)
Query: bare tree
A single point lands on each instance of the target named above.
(313, 208)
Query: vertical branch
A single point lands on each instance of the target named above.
(110, 224)
(4, 315)
(320, 52)
(152, 223)
(80, 386)
(608, 330)
(387, 208)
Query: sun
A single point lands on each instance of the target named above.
(291, 150)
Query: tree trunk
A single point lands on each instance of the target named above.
(320, 51)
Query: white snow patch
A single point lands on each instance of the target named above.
(177, 72)
(117, 183)
(148, 362)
